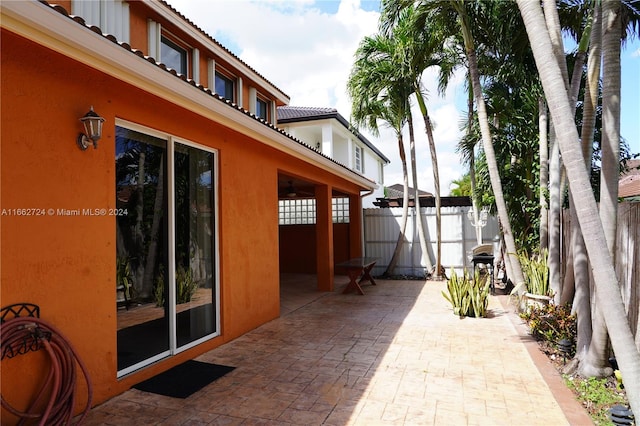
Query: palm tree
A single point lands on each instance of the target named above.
(374, 97)
(419, 48)
(467, 34)
(607, 294)
(453, 16)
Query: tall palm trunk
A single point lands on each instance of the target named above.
(544, 174)
(472, 169)
(425, 247)
(608, 293)
(158, 210)
(405, 209)
(487, 143)
(596, 359)
(555, 164)
(610, 120)
(436, 181)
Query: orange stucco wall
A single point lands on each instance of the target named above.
(298, 247)
(67, 264)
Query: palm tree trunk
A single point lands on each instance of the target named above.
(405, 210)
(436, 182)
(596, 362)
(544, 174)
(555, 166)
(610, 120)
(424, 247)
(472, 167)
(158, 212)
(608, 292)
(487, 144)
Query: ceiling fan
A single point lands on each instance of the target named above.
(290, 191)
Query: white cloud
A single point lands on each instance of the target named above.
(306, 49)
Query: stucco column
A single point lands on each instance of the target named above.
(327, 140)
(324, 238)
(356, 229)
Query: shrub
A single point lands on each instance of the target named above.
(468, 297)
(551, 322)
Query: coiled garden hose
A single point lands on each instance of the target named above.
(60, 383)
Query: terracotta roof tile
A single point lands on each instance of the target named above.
(295, 112)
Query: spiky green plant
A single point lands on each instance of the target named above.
(536, 273)
(469, 298)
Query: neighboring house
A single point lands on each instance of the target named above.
(397, 191)
(189, 184)
(629, 184)
(329, 132)
(394, 198)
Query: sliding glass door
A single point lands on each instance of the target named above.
(166, 282)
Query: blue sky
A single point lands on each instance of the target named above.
(306, 48)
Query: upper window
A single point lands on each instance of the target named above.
(224, 87)
(173, 56)
(359, 160)
(262, 108)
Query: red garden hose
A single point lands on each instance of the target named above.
(60, 383)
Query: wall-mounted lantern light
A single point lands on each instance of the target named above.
(92, 130)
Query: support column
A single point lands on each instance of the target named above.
(324, 238)
(327, 140)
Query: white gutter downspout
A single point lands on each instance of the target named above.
(366, 194)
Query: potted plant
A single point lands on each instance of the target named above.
(536, 279)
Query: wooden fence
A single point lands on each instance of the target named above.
(627, 254)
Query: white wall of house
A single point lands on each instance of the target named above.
(334, 140)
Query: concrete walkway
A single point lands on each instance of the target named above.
(395, 356)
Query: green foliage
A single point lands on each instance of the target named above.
(551, 322)
(463, 186)
(536, 273)
(186, 285)
(124, 278)
(185, 289)
(468, 297)
(597, 395)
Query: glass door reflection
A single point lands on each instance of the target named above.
(194, 240)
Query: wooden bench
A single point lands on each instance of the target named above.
(355, 268)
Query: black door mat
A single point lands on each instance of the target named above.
(185, 379)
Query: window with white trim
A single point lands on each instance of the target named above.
(173, 55)
(359, 159)
(225, 86)
(262, 108)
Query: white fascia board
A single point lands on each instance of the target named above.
(45, 26)
(219, 51)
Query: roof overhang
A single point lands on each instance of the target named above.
(45, 26)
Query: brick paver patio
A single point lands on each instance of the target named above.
(395, 356)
